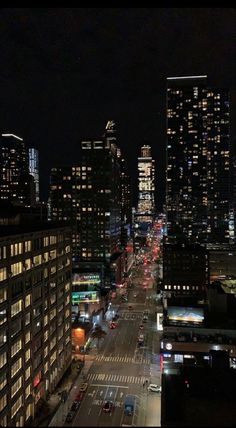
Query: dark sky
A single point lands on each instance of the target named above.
(66, 71)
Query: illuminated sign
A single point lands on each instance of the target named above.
(85, 297)
(159, 321)
(169, 346)
(185, 314)
(86, 278)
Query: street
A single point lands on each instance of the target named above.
(120, 366)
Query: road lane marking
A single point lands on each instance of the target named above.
(117, 386)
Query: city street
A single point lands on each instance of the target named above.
(120, 367)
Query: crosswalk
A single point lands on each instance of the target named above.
(123, 359)
(116, 378)
(130, 315)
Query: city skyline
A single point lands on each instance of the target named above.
(117, 217)
(71, 69)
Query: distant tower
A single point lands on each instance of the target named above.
(146, 187)
(197, 176)
(16, 184)
(34, 169)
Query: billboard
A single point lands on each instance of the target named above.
(185, 314)
(86, 278)
(85, 297)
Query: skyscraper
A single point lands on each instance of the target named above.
(197, 176)
(146, 187)
(64, 200)
(16, 184)
(34, 169)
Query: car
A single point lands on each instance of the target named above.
(79, 396)
(141, 337)
(108, 406)
(113, 324)
(141, 326)
(70, 416)
(135, 295)
(75, 406)
(130, 307)
(83, 387)
(154, 388)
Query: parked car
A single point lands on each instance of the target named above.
(79, 396)
(130, 307)
(141, 326)
(83, 387)
(108, 406)
(70, 416)
(75, 406)
(154, 388)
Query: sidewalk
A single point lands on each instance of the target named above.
(50, 406)
(62, 410)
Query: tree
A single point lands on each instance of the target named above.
(98, 333)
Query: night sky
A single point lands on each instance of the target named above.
(65, 72)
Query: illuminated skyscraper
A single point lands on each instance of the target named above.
(16, 184)
(34, 169)
(146, 187)
(197, 194)
(64, 201)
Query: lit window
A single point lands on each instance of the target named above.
(27, 246)
(27, 355)
(16, 347)
(3, 359)
(27, 300)
(16, 406)
(3, 380)
(3, 274)
(27, 337)
(16, 386)
(3, 402)
(53, 357)
(27, 392)
(16, 308)
(46, 241)
(27, 373)
(37, 260)
(16, 268)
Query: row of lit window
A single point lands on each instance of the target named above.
(183, 287)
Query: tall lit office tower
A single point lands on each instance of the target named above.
(34, 169)
(16, 184)
(197, 176)
(146, 187)
(63, 200)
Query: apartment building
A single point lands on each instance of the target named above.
(35, 317)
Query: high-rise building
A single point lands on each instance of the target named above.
(126, 203)
(64, 200)
(35, 317)
(34, 169)
(146, 187)
(197, 176)
(16, 183)
(99, 200)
